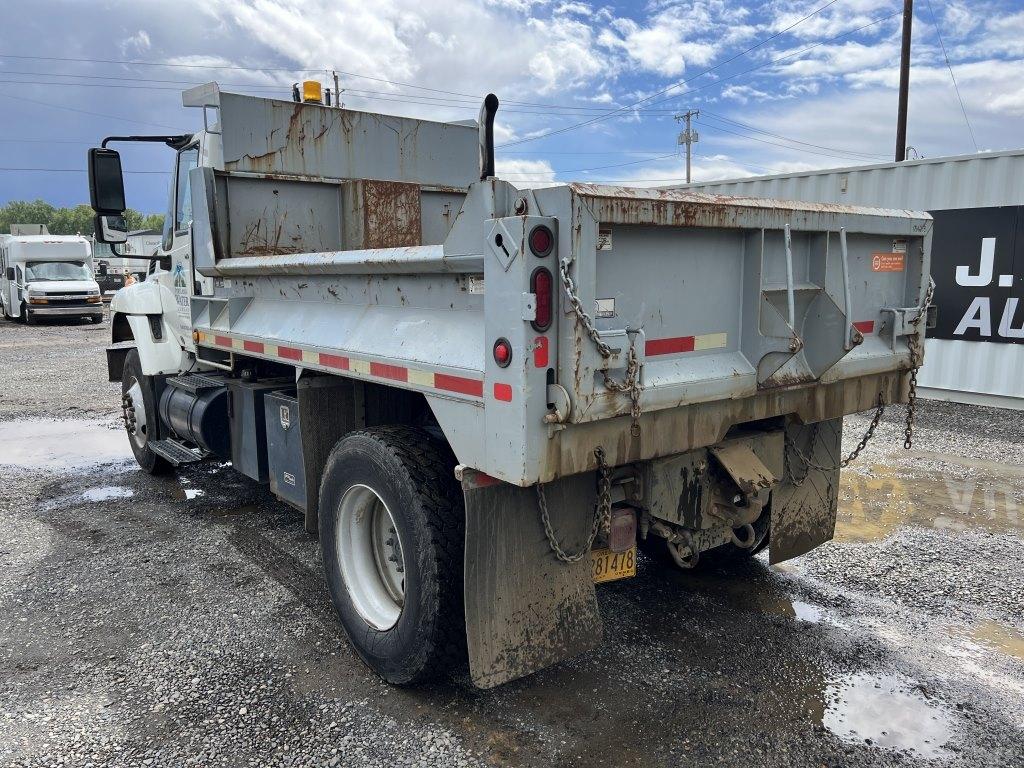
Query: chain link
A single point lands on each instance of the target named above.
(602, 513)
(630, 385)
(914, 343)
(916, 358)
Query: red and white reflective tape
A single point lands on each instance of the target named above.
(368, 369)
(679, 344)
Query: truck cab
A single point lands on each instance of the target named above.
(47, 276)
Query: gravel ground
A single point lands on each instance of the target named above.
(184, 621)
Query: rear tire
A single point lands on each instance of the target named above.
(139, 407)
(389, 498)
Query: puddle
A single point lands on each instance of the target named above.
(1000, 637)
(813, 614)
(876, 504)
(886, 711)
(181, 493)
(61, 445)
(108, 492)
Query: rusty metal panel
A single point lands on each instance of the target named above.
(381, 214)
(284, 137)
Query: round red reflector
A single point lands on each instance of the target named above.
(542, 241)
(502, 352)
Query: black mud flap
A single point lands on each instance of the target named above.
(804, 513)
(525, 609)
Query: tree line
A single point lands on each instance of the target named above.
(67, 221)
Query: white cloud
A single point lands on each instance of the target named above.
(136, 44)
(525, 173)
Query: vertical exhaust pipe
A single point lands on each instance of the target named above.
(487, 113)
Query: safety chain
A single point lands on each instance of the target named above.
(630, 385)
(916, 354)
(914, 342)
(602, 513)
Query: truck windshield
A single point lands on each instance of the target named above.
(56, 270)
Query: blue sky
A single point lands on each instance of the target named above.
(589, 90)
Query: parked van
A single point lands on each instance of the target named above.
(43, 275)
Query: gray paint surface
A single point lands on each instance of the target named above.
(963, 371)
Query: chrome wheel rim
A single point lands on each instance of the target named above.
(134, 407)
(370, 557)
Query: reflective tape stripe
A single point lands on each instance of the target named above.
(387, 371)
(679, 344)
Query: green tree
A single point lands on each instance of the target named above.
(67, 221)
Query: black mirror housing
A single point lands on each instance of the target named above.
(106, 182)
(10, 274)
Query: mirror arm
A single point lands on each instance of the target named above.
(174, 142)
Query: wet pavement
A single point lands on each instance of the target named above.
(184, 621)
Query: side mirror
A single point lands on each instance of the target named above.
(10, 274)
(106, 182)
(111, 228)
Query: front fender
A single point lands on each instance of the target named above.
(141, 299)
(135, 305)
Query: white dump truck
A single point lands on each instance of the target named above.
(484, 398)
(44, 276)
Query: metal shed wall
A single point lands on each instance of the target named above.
(963, 371)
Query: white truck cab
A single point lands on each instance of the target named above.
(45, 276)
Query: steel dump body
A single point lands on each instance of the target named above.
(397, 280)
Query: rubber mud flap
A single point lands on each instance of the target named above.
(804, 516)
(525, 609)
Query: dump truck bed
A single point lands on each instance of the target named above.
(737, 309)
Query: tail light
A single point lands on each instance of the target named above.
(502, 352)
(541, 284)
(542, 241)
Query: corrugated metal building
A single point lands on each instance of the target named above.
(977, 257)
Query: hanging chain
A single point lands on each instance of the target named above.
(916, 358)
(602, 513)
(914, 342)
(630, 385)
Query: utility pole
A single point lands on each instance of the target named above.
(688, 137)
(337, 91)
(901, 119)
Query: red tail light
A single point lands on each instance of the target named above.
(541, 284)
(542, 241)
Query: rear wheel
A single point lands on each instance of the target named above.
(138, 406)
(391, 535)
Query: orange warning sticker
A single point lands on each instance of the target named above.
(888, 262)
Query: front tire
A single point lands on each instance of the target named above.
(392, 538)
(140, 415)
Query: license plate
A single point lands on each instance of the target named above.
(609, 566)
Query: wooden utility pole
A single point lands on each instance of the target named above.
(901, 118)
(688, 137)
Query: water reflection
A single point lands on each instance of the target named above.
(887, 711)
(61, 445)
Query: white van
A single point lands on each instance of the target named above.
(44, 275)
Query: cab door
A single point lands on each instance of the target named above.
(177, 239)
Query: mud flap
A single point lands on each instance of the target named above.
(525, 609)
(804, 516)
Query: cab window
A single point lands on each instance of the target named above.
(188, 159)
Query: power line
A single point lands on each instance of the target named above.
(851, 152)
(677, 84)
(784, 146)
(138, 63)
(74, 170)
(949, 66)
(82, 111)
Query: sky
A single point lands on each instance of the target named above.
(589, 90)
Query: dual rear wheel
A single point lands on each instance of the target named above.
(392, 540)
